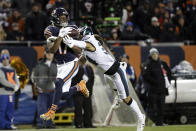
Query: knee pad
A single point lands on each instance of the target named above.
(129, 102)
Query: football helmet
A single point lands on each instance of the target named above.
(60, 17)
(85, 31)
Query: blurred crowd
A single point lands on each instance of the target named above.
(160, 20)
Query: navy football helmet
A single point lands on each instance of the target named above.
(57, 17)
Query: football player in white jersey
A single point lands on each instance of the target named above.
(97, 54)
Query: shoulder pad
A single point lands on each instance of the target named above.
(51, 30)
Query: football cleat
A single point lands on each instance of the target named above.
(83, 89)
(50, 115)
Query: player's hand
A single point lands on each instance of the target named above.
(50, 41)
(64, 31)
(16, 88)
(68, 41)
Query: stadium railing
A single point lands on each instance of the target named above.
(110, 42)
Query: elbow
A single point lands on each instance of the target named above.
(52, 50)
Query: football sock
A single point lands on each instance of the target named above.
(134, 106)
(53, 107)
(58, 91)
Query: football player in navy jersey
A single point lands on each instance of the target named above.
(67, 66)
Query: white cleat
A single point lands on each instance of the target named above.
(141, 123)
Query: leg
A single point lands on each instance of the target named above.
(63, 83)
(121, 83)
(78, 101)
(57, 96)
(41, 108)
(64, 75)
(160, 108)
(10, 112)
(151, 108)
(87, 112)
(58, 91)
(50, 97)
(3, 106)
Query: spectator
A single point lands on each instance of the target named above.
(193, 30)
(130, 34)
(15, 33)
(4, 51)
(3, 34)
(83, 104)
(167, 16)
(135, 4)
(170, 8)
(9, 84)
(177, 15)
(190, 10)
(156, 11)
(16, 18)
(154, 29)
(61, 3)
(153, 74)
(22, 5)
(141, 90)
(161, 12)
(181, 30)
(8, 7)
(168, 34)
(3, 15)
(86, 8)
(44, 75)
(131, 75)
(115, 36)
(127, 13)
(141, 14)
(35, 22)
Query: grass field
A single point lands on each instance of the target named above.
(147, 128)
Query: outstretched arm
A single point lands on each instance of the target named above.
(77, 43)
(56, 45)
(57, 40)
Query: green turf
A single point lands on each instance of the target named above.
(147, 128)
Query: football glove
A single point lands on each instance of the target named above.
(50, 41)
(65, 31)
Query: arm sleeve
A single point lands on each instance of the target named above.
(4, 82)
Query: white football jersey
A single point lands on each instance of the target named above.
(100, 56)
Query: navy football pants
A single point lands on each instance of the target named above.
(6, 111)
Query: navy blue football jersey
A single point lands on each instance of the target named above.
(64, 54)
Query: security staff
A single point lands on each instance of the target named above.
(154, 72)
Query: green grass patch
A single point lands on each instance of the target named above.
(147, 128)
